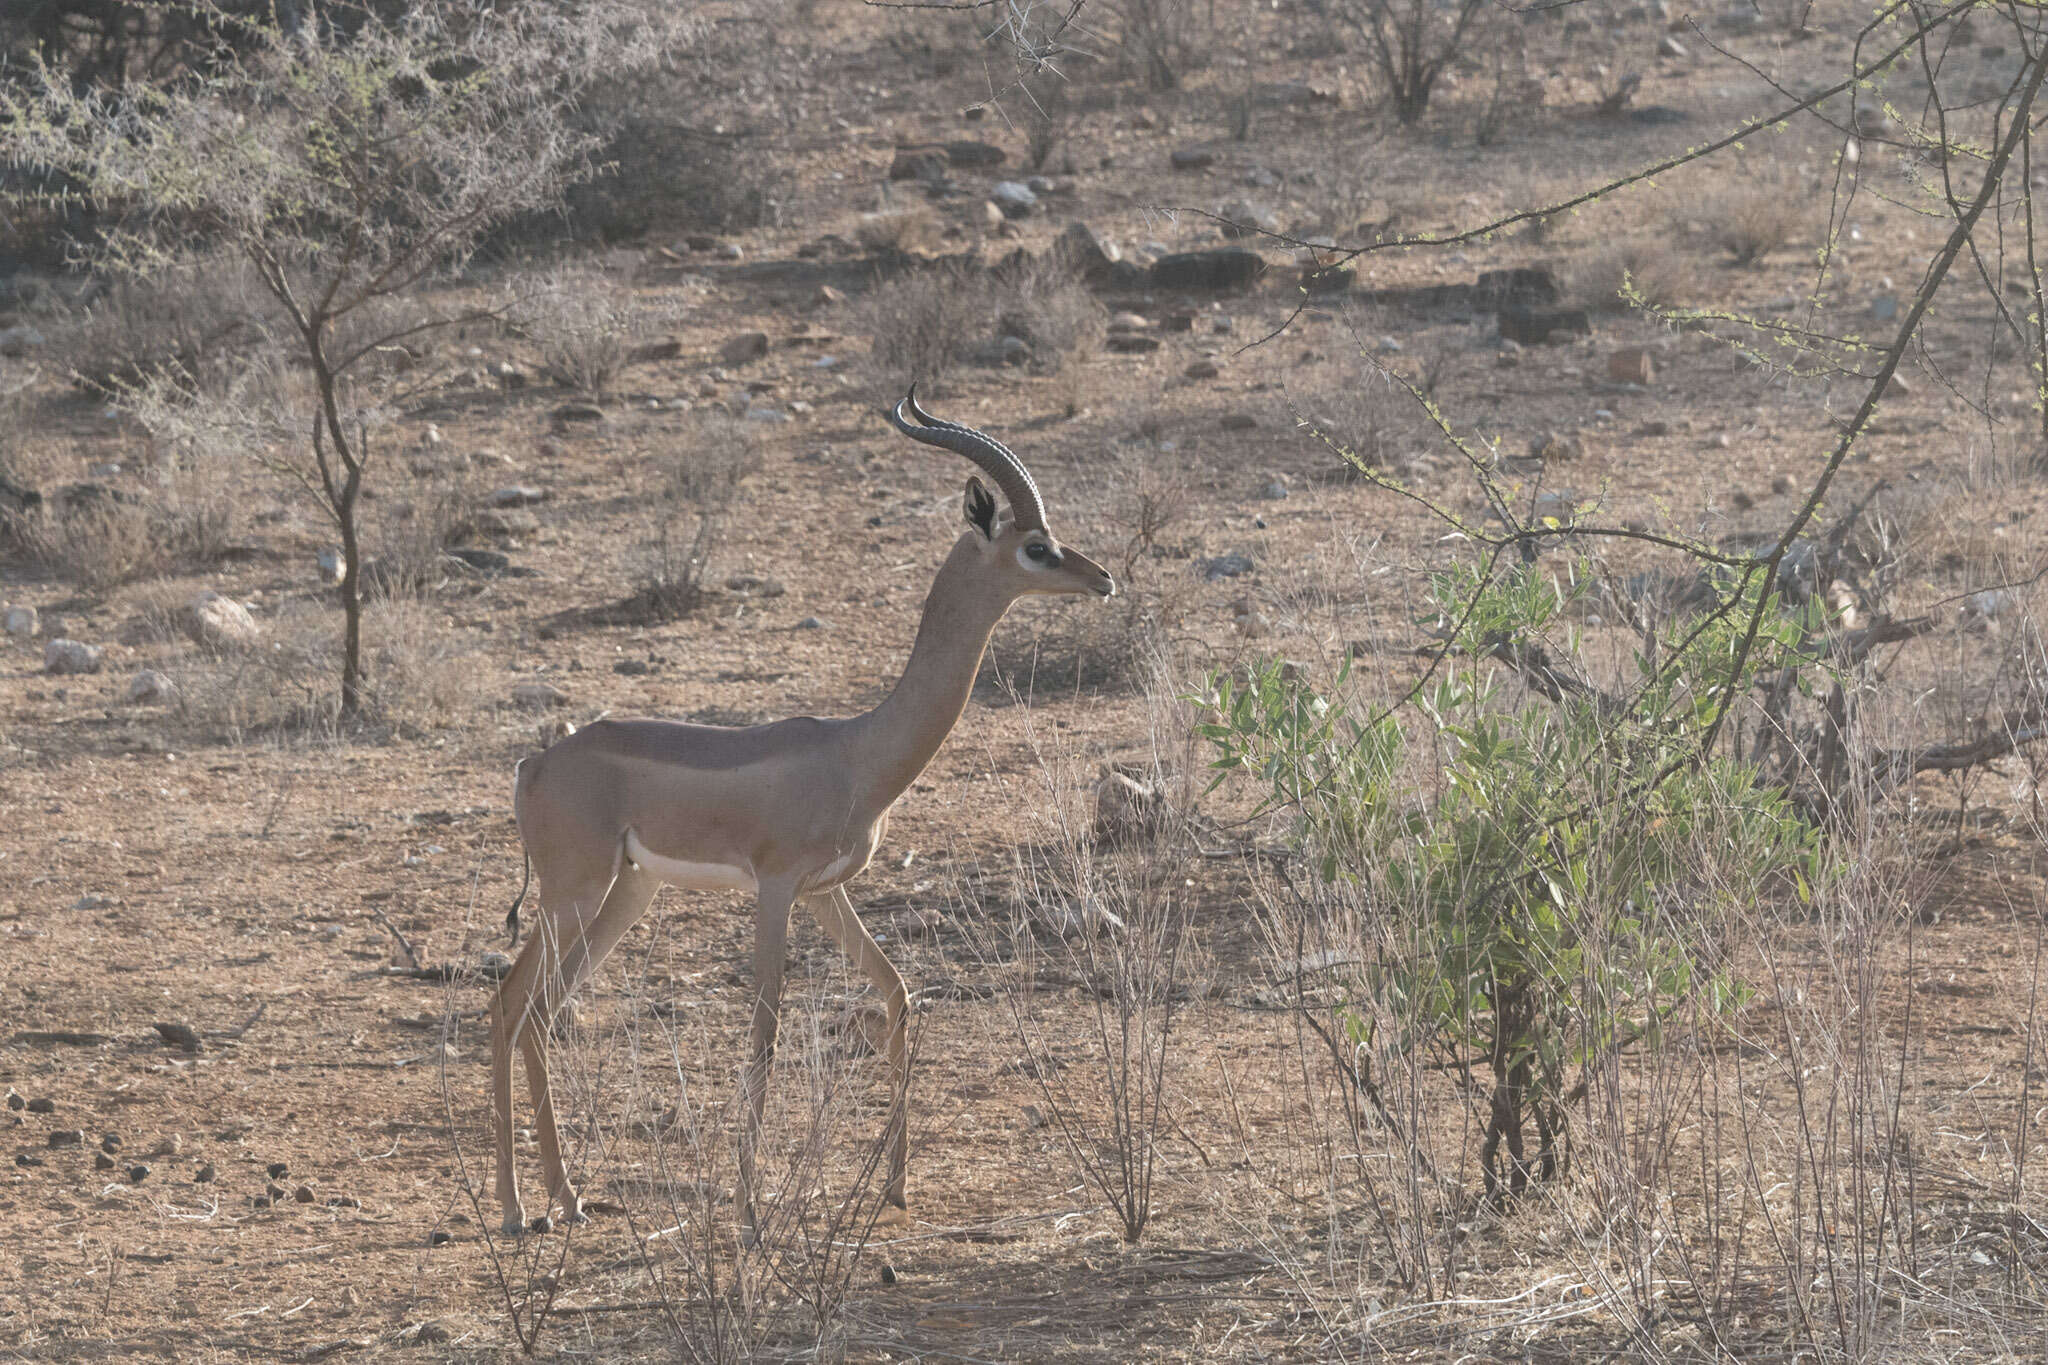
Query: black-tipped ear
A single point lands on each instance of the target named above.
(980, 508)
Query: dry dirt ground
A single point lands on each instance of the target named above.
(156, 867)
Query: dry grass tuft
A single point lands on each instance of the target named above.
(1650, 267)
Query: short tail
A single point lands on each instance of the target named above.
(512, 915)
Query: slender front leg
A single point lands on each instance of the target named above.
(835, 913)
(512, 1006)
(771, 937)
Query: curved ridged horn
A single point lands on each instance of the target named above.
(995, 458)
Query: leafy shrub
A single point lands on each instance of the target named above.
(1562, 875)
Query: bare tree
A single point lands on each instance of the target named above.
(350, 157)
(1412, 42)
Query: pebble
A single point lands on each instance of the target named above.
(66, 1137)
(1224, 566)
(111, 1142)
(277, 1170)
(205, 1174)
(303, 1194)
(42, 1104)
(20, 621)
(102, 1162)
(137, 1174)
(71, 656)
(1274, 491)
(24, 1159)
(810, 623)
(437, 1238)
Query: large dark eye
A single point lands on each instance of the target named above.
(1037, 550)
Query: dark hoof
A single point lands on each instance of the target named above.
(542, 1225)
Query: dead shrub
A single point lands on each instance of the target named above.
(1649, 269)
(898, 232)
(1755, 215)
(184, 324)
(95, 537)
(927, 323)
(587, 325)
(423, 675)
(697, 497)
(409, 541)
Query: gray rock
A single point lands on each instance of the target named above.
(1193, 158)
(507, 521)
(1131, 343)
(1202, 369)
(19, 341)
(1222, 268)
(517, 495)
(538, 696)
(810, 623)
(72, 656)
(150, 687)
(1884, 307)
(1247, 219)
(743, 348)
(1238, 421)
(1014, 198)
(1041, 185)
(1013, 351)
(218, 622)
(1224, 566)
(1086, 254)
(1668, 46)
(1274, 491)
(20, 622)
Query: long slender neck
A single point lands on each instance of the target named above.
(898, 738)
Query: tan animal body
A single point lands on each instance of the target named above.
(789, 811)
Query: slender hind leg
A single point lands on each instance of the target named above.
(771, 936)
(586, 946)
(834, 911)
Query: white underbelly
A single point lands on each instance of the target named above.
(688, 875)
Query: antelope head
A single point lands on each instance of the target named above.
(1016, 550)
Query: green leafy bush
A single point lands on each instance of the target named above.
(1560, 878)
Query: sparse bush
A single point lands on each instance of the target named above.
(927, 323)
(697, 497)
(1413, 42)
(1551, 935)
(1648, 271)
(1756, 215)
(409, 541)
(587, 325)
(897, 232)
(184, 323)
(95, 536)
(1162, 39)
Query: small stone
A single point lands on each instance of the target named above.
(205, 1174)
(1555, 446)
(538, 696)
(1013, 199)
(24, 1159)
(14, 1100)
(731, 251)
(1203, 369)
(259, 1201)
(150, 687)
(743, 348)
(1720, 440)
(828, 297)
(437, 1238)
(1238, 421)
(66, 1137)
(1884, 307)
(1192, 158)
(217, 622)
(110, 1142)
(277, 1170)
(1631, 365)
(1668, 46)
(573, 414)
(1782, 484)
(94, 900)
(303, 1194)
(632, 668)
(102, 1162)
(1129, 322)
(810, 623)
(274, 1192)
(517, 495)
(137, 1174)
(541, 1225)
(20, 622)
(750, 585)
(1131, 343)
(1897, 387)
(1224, 566)
(1274, 491)
(70, 657)
(42, 1104)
